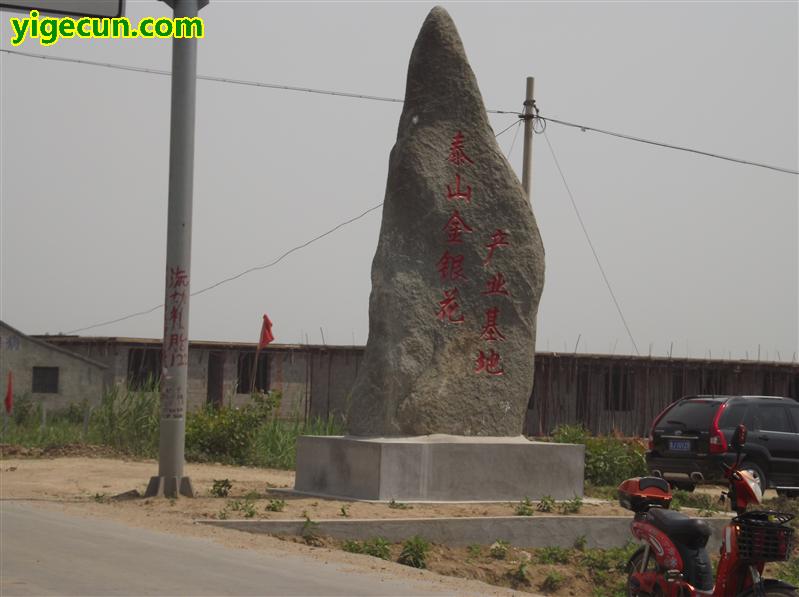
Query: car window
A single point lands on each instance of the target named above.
(732, 416)
(692, 414)
(794, 410)
(774, 418)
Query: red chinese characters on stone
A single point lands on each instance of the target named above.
(490, 330)
(457, 193)
(496, 285)
(457, 155)
(489, 363)
(498, 239)
(455, 227)
(450, 267)
(449, 307)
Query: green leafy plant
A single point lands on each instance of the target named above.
(553, 555)
(246, 507)
(310, 532)
(499, 549)
(552, 582)
(252, 495)
(352, 546)
(580, 543)
(524, 508)
(519, 574)
(474, 550)
(571, 506)
(395, 505)
(275, 505)
(221, 488)
(414, 552)
(344, 511)
(547, 504)
(608, 460)
(377, 547)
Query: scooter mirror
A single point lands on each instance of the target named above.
(739, 438)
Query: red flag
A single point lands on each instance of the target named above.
(266, 333)
(10, 393)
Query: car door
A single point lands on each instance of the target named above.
(776, 433)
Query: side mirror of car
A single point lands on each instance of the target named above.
(739, 438)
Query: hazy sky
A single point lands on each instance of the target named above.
(701, 253)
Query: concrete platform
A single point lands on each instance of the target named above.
(438, 468)
(522, 531)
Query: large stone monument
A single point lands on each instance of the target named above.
(456, 282)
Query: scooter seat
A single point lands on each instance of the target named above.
(691, 532)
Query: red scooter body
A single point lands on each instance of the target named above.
(673, 561)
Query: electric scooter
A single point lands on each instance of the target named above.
(673, 560)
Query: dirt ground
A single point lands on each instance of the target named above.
(88, 486)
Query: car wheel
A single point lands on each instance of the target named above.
(683, 485)
(757, 473)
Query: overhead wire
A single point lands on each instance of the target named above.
(252, 269)
(591, 244)
(251, 83)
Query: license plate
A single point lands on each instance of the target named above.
(679, 445)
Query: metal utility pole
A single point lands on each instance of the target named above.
(170, 481)
(527, 165)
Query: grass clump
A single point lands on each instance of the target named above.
(552, 582)
(275, 505)
(221, 488)
(414, 552)
(376, 547)
(524, 508)
(571, 506)
(395, 505)
(499, 549)
(547, 504)
(553, 555)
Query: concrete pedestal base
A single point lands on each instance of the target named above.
(170, 487)
(438, 468)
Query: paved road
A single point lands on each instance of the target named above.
(51, 553)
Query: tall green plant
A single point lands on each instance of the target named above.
(128, 420)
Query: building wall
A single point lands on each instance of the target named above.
(78, 380)
(606, 393)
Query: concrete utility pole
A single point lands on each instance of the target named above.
(170, 481)
(527, 165)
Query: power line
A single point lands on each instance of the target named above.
(378, 98)
(237, 276)
(591, 244)
(250, 270)
(585, 128)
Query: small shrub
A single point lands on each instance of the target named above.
(246, 507)
(414, 552)
(275, 505)
(395, 505)
(547, 504)
(475, 550)
(608, 460)
(499, 549)
(310, 532)
(552, 582)
(221, 488)
(524, 508)
(571, 506)
(553, 555)
(252, 495)
(580, 543)
(519, 574)
(352, 546)
(377, 547)
(344, 511)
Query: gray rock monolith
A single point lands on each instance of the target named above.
(459, 267)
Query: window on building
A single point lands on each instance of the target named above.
(618, 395)
(144, 368)
(245, 369)
(45, 380)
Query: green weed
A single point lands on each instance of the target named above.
(524, 508)
(414, 552)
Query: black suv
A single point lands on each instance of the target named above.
(691, 438)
